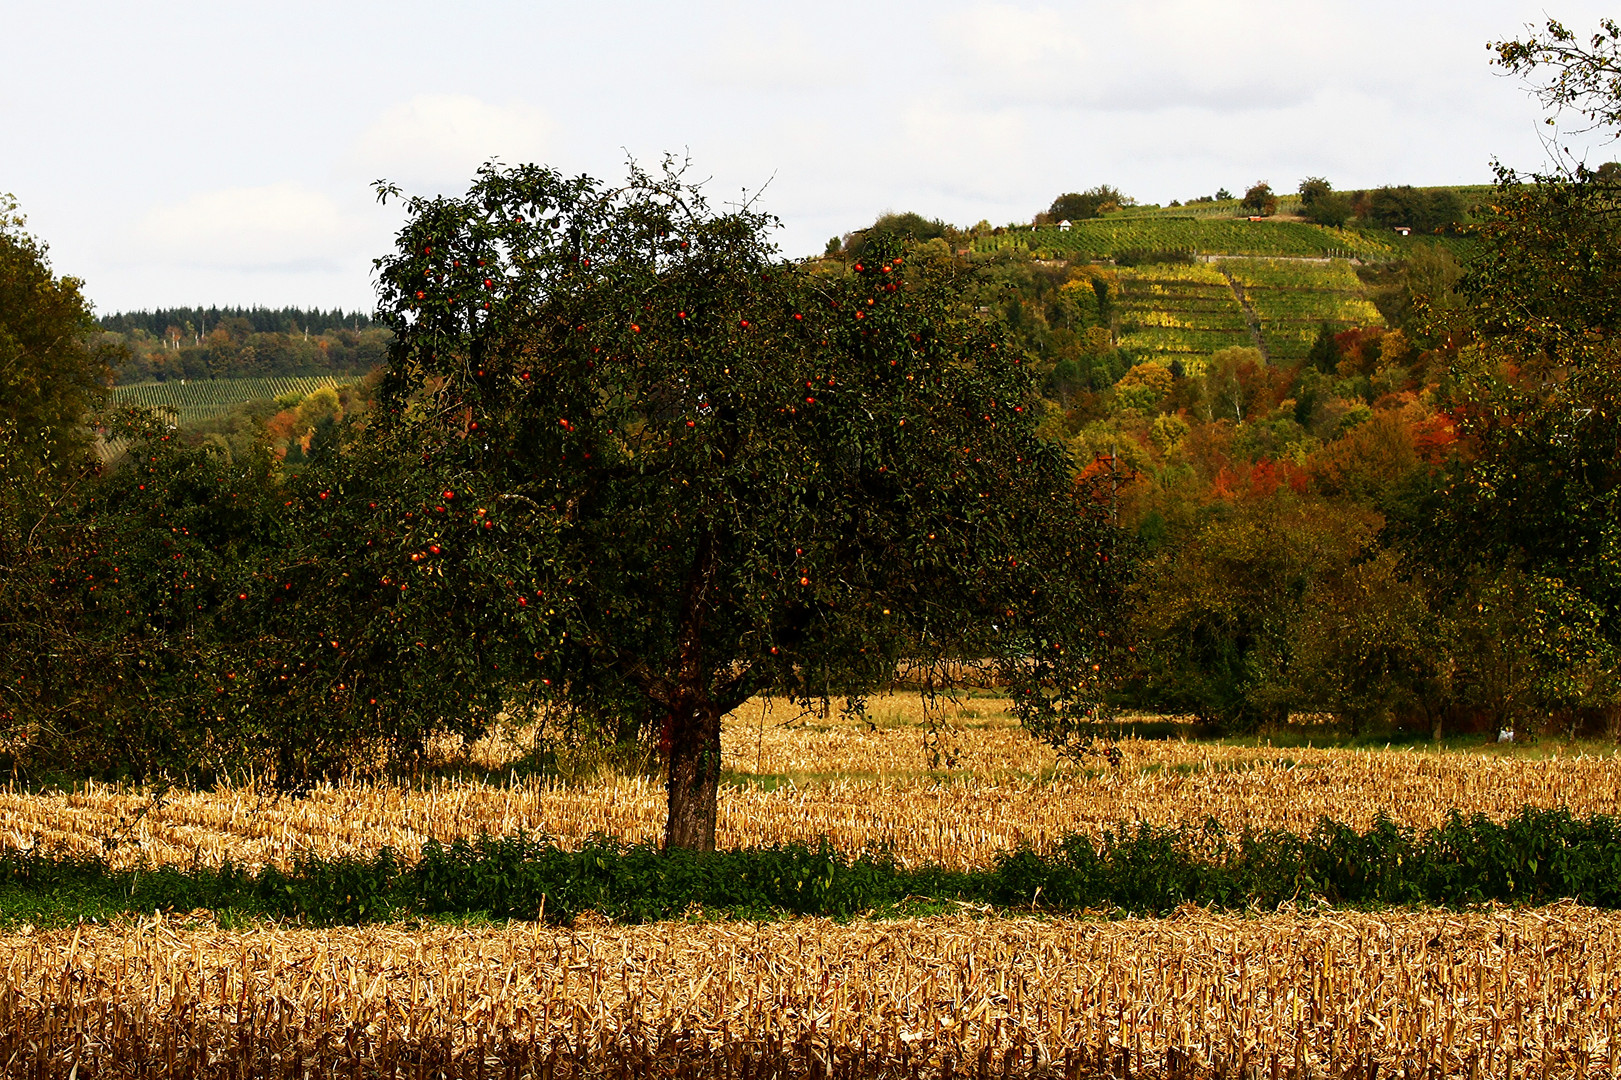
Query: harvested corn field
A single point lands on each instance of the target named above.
(1496, 993)
(862, 787)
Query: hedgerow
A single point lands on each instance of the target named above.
(1537, 857)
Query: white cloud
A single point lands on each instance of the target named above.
(1019, 53)
(1152, 54)
(785, 56)
(970, 151)
(438, 141)
(277, 227)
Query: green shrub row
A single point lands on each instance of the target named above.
(1539, 856)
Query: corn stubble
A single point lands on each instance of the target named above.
(863, 787)
(1286, 996)
(1499, 994)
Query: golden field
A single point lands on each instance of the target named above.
(1492, 993)
(1518, 994)
(981, 787)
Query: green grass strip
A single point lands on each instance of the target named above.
(1537, 857)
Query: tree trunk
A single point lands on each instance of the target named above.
(694, 782)
(694, 723)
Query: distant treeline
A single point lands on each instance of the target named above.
(242, 343)
(192, 322)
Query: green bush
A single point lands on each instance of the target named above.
(1537, 857)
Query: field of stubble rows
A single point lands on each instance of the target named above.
(1305, 991)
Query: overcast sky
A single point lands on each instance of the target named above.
(223, 153)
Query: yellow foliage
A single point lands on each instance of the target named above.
(320, 404)
(1149, 375)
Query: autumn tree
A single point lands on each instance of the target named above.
(690, 472)
(1260, 200)
(1534, 512)
(1371, 650)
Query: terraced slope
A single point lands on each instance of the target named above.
(1293, 299)
(194, 400)
(1177, 312)
(1185, 312)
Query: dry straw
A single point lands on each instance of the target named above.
(801, 777)
(1502, 994)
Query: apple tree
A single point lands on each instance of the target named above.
(670, 470)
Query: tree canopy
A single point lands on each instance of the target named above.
(1321, 204)
(1259, 199)
(894, 228)
(1414, 208)
(109, 584)
(1539, 381)
(51, 376)
(1091, 203)
(704, 473)
(1585, 76)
